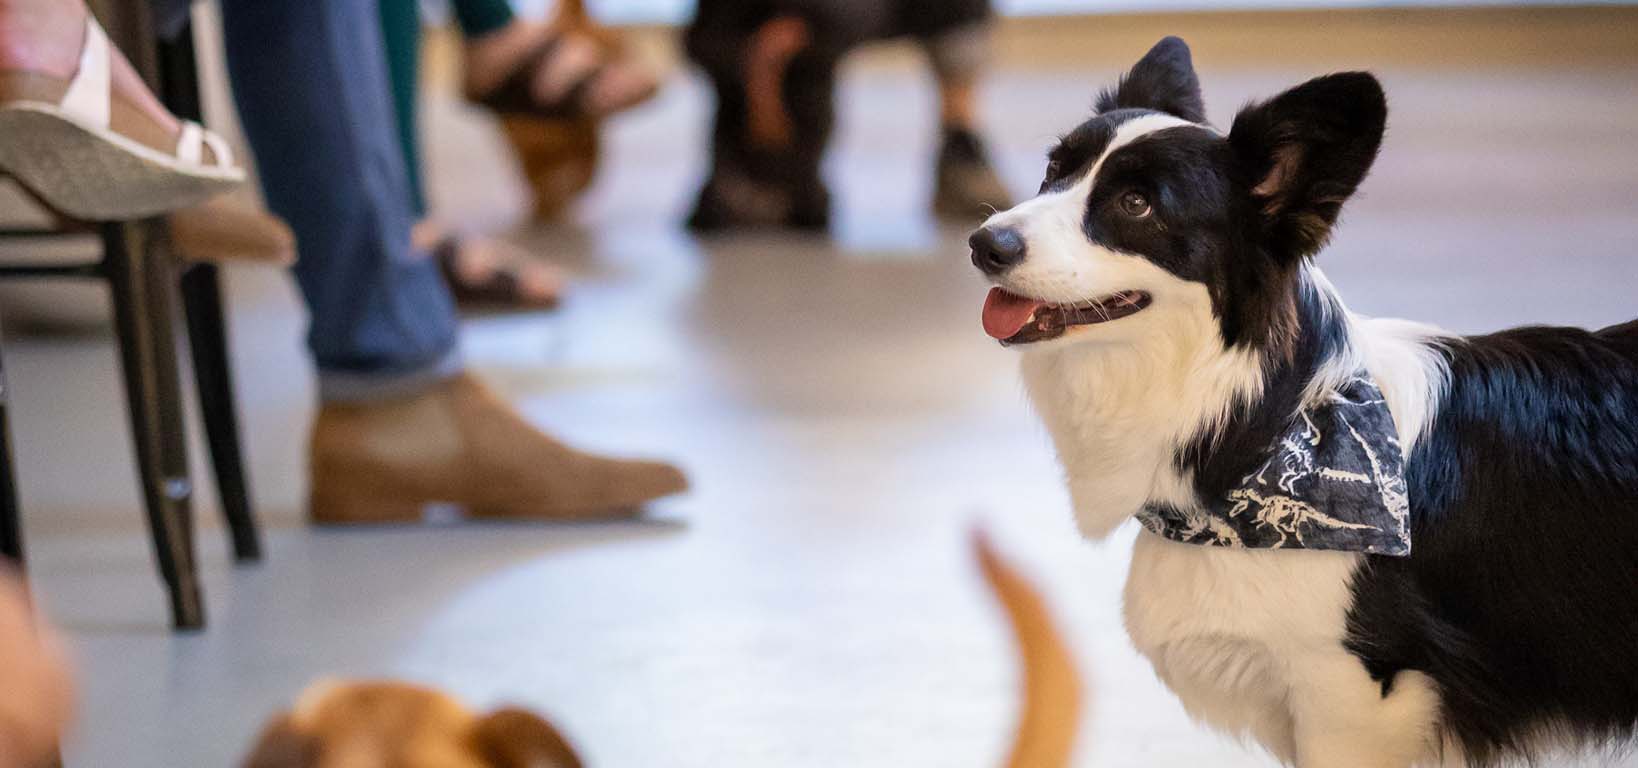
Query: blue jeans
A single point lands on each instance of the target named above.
(310, 79)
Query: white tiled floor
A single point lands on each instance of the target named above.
(844, 419)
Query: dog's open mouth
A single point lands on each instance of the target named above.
(1015, 319)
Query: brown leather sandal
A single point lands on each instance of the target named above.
(500, 286)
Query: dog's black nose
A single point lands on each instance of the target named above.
(996, 249)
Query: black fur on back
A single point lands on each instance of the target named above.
(1520, 597)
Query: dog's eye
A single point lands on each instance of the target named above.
(1134, 204)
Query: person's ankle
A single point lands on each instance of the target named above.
(44, 37)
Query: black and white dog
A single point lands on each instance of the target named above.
(1366, 542)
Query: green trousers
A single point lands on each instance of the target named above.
(401, 36)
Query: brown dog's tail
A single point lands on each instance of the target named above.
(1052, 692)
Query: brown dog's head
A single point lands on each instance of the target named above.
(396, 725)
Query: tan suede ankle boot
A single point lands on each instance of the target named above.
(460, 444)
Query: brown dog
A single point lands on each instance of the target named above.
(396, 725)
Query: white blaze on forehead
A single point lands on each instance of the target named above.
(1127, 133)
(1062, 265)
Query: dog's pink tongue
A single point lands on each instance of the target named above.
(1006, 314)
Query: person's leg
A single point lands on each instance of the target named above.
(82, 132)
(803, 38)
(401, 37)
(959, 57)
(566, 68)
(400, 424)
(955, 34)
(773, 65)
(312, 87)
(481, 17)
(46, 37)
(473, 266)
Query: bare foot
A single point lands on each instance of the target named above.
(46, 37)
(492, 59)
(479, 264)
(480, 260)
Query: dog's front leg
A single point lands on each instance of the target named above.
(1343, 720)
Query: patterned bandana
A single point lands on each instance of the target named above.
(1335, 479)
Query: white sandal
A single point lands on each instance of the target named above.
(88, 154)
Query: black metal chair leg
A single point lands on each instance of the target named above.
(207, 335)
(207, 338)
(11, 523)
(142, 278)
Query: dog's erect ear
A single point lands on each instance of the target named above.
(516, 738)
(283, 745)
(1162, 80)
(1305, 152)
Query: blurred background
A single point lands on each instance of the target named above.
(679, 11)
(844, 419)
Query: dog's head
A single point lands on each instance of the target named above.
(1148, 212)
(395, 725)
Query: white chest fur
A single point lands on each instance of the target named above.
(1118, 410)
(1231, 630)
(1250, 640)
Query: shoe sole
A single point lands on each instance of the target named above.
(94, 174)
(342, 510)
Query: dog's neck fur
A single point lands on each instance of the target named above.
(1176, 414)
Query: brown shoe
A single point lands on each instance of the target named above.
(224, 230)
(460, 444)
(966, 187)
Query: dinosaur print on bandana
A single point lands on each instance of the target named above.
(1334, 480)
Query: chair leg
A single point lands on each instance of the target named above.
(11, 524)
(207, 337)
(142, 278)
